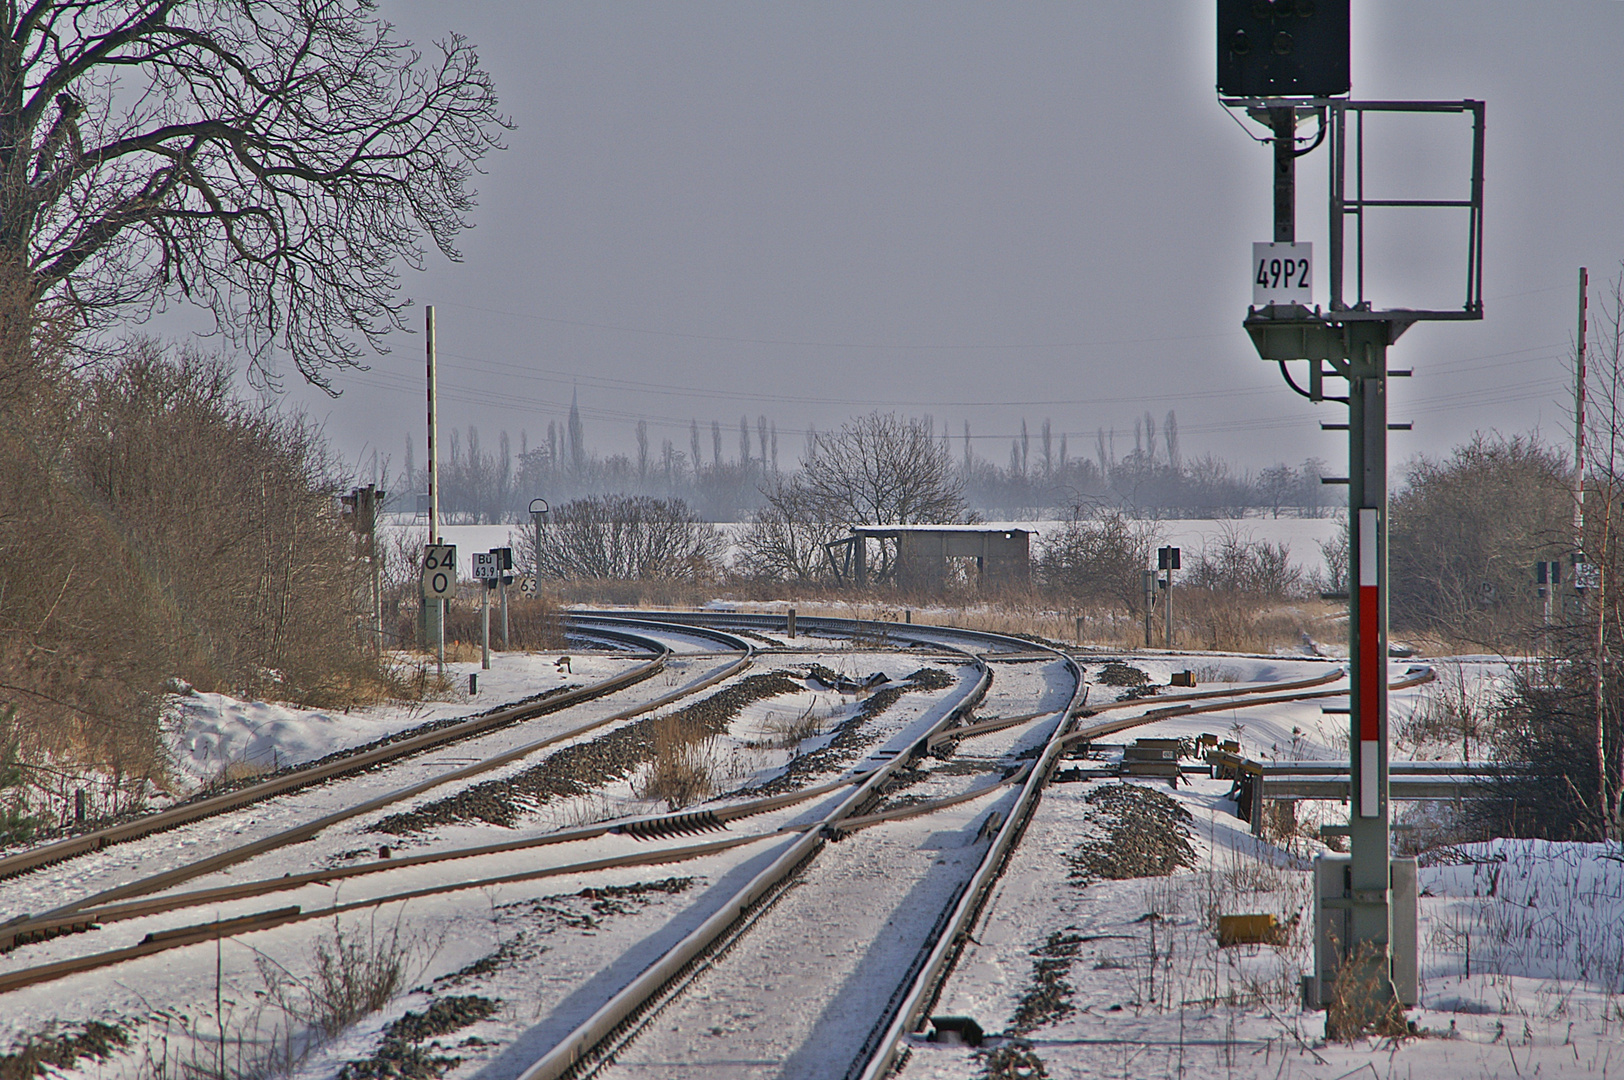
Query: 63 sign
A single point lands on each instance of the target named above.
(1282, 274)
(439, 571)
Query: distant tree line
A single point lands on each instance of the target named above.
(725, 472)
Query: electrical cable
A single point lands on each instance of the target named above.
(1286, 375)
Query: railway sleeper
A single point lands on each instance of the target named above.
(46, 933)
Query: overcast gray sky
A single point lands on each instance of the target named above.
(981, 212)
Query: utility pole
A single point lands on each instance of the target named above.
(434, 609)
(1579, 418)
(1149, 577)
(505, 564)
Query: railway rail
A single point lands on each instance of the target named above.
(294, 779)
(65, 915)
(618, 1020)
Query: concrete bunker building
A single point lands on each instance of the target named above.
(919, 557)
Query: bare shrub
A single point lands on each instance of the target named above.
(625, 537)
(1451, 712)
(352, 977)
(353, 974)
(1236, 562)
(1098, 558)
(153, 525)
(789, 731)
(1545, 728)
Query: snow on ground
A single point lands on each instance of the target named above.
(549, 950)
(1522, 956)
(1522, 962)
(211, 735)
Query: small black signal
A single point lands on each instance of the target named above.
(1283, 48)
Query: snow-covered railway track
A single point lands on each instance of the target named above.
(293, 779)
(923, 840)
(66, 917)
(739, 995)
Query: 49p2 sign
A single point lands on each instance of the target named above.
(1282, 274)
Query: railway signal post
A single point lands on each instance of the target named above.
(1283, 62)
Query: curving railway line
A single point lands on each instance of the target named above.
(876, 865)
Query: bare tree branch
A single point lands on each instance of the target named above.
(274, 161)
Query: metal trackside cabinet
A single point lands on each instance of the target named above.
(1333, 904)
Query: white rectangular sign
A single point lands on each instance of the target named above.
(440, 571)
(487, 564)
(1282, 274)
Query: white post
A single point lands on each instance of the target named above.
(485, 617)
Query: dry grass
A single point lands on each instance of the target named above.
(1362, 1000)
(1225, 622)
(352, 974)
(682, 770)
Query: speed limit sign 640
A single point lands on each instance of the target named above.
(439, 571)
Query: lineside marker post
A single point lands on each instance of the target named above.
(434, 609)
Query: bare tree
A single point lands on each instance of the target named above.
(627, 537)
(1464, 531)
(883, 469)
(642, 451)
(880, 469)
(785, 538)
(1098, 558)
(274, 161)
(1235, 561)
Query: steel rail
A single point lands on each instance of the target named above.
(622, 1010)
(922, 994)
(95, 840)
(947, 940)
(302, 832)
(165, 940)
(46, 928)
(1424, 675)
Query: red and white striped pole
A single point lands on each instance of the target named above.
(1370, 665)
